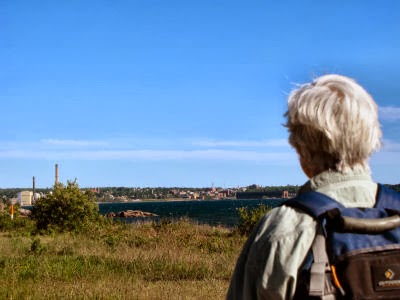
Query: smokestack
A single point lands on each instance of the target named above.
(33, 188)
(56, 181)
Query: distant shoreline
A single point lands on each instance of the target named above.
(182, 200)
(157, 200)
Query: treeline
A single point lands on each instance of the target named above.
(13, 192)
(276, 191)
(104, 193)
(395, 187)
(273, 191)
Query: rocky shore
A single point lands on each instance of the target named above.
(131, 214)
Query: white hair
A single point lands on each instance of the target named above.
(333, 123)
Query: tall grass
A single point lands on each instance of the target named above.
(168, 260)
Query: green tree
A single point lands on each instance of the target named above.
(248, 218)
(66, 208)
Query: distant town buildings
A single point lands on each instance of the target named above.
(126, 194)
(286, 194)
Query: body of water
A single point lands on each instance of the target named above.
(213, 212)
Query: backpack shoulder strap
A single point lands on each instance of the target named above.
(316, 204)
(387, 198)
(313, 203)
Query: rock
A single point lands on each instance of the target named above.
(135, 214)
(24, 212)
(111, 214)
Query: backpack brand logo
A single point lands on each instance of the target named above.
(385, 277)
(389, 274)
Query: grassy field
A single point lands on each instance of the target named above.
(141, 261)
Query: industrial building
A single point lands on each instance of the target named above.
(25, 198)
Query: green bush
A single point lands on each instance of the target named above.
(18, 223)
(66, 208)
(248, 218)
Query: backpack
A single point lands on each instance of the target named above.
(356, 251)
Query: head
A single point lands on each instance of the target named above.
(333, 124)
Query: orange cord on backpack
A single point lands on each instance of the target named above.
(336, 280)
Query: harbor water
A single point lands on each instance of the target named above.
(212, 212)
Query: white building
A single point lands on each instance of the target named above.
(25, 198)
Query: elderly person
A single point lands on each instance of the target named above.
(333, 125)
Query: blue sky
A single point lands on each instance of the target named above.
(181, 93)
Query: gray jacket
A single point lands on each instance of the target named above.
(269, 262)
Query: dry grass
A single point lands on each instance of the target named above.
(143, 261)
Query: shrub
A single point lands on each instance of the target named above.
(66, 208)
(248, 218)
(18, 223)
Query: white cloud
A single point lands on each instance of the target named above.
(129, 143)
(242, 143)
(389, 113)
(75, 149)
(389, 156)
(73, 143)
(390, 146)
(219, 155)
